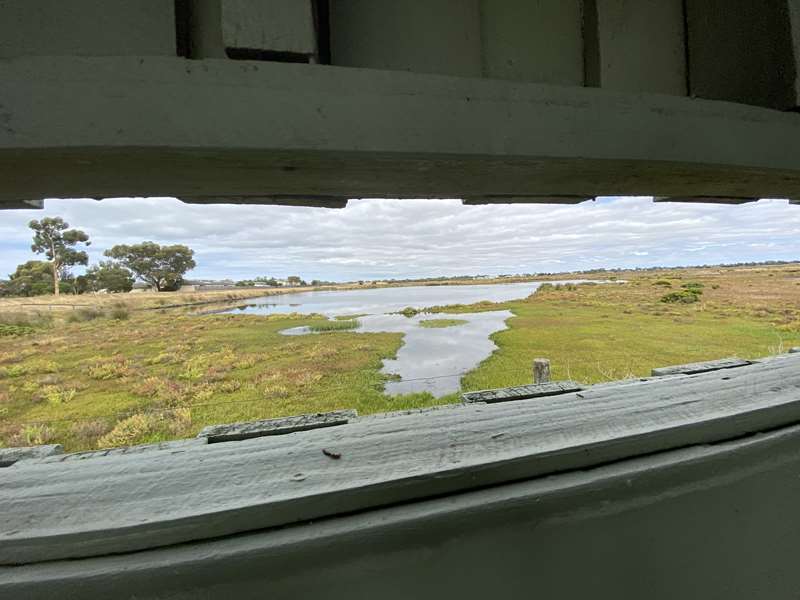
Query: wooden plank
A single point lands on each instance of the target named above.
(743, 51)
(269, 25)
(700, 367)
(522, 392)
(457, 137)
(87, 28)
(532, 41)
(636, 46)
(243, 431)
(704, 199)
(511, 199)
(10, 456)
(173, 446)
(435, 36)
(90, 508)
(532, 529)
(22, 204)
(300, 200)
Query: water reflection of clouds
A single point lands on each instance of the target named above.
(430, 359)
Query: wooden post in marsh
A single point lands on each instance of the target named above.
(541, 370)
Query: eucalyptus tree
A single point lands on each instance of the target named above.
(162, 267)
(53, 238)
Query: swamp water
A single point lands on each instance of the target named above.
(431, 359)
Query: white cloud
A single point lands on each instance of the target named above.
(401, 238)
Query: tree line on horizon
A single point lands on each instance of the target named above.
(161, 267)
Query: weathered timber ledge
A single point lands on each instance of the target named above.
(234, 432)
(680, 510)
(9, 456)
(522, 392)
(76, 127)
(56, 509)
(701, 367)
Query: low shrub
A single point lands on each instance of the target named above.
(15, 330)
(682, 297)
(129, 430)
(34, 434)
(165, 391)
(142, 427)
(90, 431)
(663, 283)
(276, 391)
(228, 387)
(693, 285)
(58, 396)
(15, 324)
(101, 368)
(120, 313)
(35, 367)
(558, 287)
(337, 325)
(82, 315)
(13, 371)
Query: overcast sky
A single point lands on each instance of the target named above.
(376, 239)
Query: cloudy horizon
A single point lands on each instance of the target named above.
(385, 239)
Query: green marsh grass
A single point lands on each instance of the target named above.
(341, 325)
(164, 375)
(442, 323)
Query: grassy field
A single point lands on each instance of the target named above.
(595, 333)
(111, 374)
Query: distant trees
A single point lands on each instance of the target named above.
(33, 278)
(106, 275)
(292, 280)
(163, 267)
(258, 281)
(53, 238)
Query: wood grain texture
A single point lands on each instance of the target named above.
(233, 432)
(701, 367)
(287, 130)
(491, 533)
(522, 392)
(9, 456)
(122, 503)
